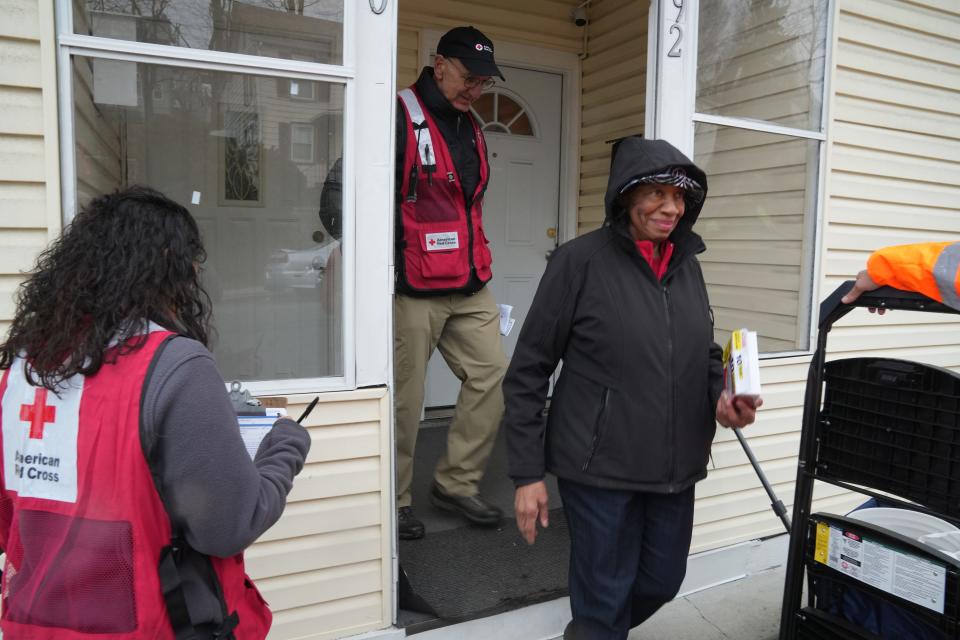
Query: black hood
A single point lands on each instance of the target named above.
(636, 157)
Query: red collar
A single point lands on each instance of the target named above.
(657, 263)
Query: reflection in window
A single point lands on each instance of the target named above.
(301, 142)
(297, 29)
(250, 164)
(762, 60)
(762, 199)
(241, 157)
(497, 112)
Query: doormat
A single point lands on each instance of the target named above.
(472, 572)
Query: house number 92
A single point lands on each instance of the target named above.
(675, 49)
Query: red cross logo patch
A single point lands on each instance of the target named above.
(41, 436)
(38, 413)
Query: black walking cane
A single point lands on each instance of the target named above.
(775, 503)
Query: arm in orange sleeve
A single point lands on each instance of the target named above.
(908, 267)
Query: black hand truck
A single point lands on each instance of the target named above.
(890, 429)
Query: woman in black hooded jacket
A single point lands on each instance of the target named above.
(633, 413)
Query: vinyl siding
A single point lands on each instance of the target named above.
(29, 165)
(766, 64)
(613, 95)
(544, 23)
(893, 176)
(894, 157)
(326, 566)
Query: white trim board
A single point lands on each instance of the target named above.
(567, 65)
(383, 634)
(543, 621)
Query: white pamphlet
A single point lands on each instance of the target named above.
(253, 429)
(506, 322)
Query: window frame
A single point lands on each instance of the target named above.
(366, 37)
(671, 114)
(313, 142)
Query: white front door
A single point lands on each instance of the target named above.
(522, 125)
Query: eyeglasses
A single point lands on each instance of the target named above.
(469, 81)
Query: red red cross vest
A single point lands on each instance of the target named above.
(443, 239)
(80, 517)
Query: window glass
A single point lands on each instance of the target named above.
(297, 29)
(260, 171)
(499, 113)
(301, 142)
(756, 224)
(762, 60)
(483, 107)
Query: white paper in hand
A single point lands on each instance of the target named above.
(253, 429)
(506, 322)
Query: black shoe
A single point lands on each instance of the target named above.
(408, 527)
(473, 508)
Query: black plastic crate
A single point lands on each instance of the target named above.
(893, 426)
(817, 625)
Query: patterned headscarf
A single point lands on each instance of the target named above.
(674, 176)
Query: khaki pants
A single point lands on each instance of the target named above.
(466, 329)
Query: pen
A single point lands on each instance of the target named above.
(307, 411)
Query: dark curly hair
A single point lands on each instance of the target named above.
(128, 258)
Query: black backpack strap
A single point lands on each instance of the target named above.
(178, 553)
(172, 587)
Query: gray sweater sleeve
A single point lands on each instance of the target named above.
(221, 499)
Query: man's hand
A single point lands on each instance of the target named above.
(530, 505)
(861, 285)
(737, 411)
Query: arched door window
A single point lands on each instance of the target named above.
(498, 112)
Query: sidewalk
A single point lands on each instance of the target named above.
(745, 609)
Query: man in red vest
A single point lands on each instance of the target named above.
(442, 267)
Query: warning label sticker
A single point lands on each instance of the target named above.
(906, 576)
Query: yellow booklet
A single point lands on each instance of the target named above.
(741, 364)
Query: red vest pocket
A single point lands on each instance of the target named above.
(442, 255)
(436, 203)
(76, 574)
(482, 258)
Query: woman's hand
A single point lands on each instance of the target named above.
(737, 411)
(530, 505)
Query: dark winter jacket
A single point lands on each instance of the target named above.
(635, 401)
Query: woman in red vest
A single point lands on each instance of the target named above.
(126, 494)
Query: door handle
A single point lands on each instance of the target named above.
(548, 253)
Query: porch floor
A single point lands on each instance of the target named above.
(462, 571)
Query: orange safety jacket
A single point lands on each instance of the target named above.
(930, 268)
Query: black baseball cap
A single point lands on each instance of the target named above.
(472, 48)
